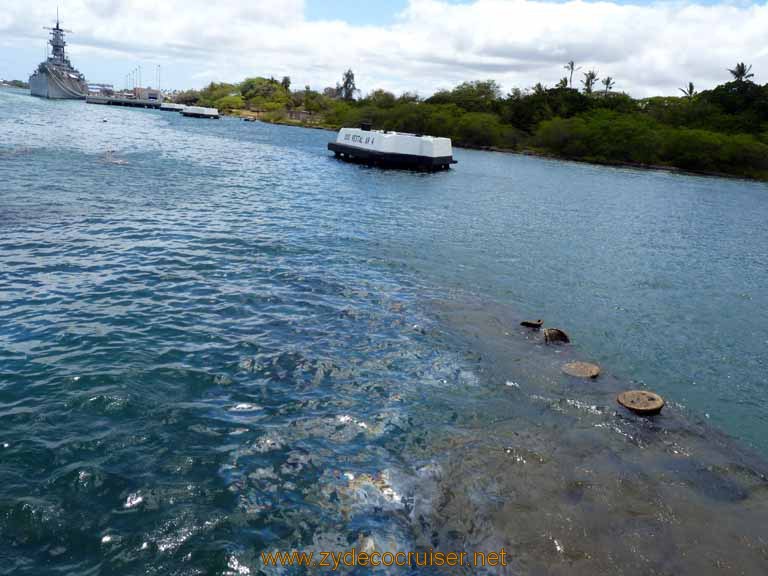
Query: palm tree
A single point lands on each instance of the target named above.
(347, 88)
(539, 89)
(589, 81)
(563, 83)
(608, 82)
(741, 72)
(689, 92)
(571, 67)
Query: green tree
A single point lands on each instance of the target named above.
(347, 88)
(479, 129)
(187, 97)
(571, 68)
(214, 91)
(741, 72)
(314, 101)
(442, 119)
(590, 78)
(227, 103)
(566, 137)
(608, 82)
(475, 96)
(409, 97)
(689, 91)
(286, 83)
(381, 99)
(264, 94)
(563, 83)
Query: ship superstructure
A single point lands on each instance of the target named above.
(56, 78)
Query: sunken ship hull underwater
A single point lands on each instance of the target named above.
(392, 149)
(56, 78)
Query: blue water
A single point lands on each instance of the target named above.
(232, 343)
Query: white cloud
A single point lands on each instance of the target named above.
(649, 49)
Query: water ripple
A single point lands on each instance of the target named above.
(233, 343)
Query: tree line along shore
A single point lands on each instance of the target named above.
(15, 84)
(722, 130)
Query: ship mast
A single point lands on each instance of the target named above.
(58, 55)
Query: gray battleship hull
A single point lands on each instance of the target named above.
(48, 82)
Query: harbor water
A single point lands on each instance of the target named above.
(216, 340)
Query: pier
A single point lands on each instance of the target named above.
(171, 107)
(122, 101)
(157, 104)
(200, 112)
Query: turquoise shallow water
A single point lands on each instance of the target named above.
(234, 343)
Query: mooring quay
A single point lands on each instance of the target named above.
(117, 101)
(192, 111)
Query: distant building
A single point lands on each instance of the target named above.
(100, 89)
(147, 94)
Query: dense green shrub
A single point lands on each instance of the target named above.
(476, 96)
(227, 103)
(615, 138)
(215, 91)
(564, 136)
(739, 154)
(479, 129)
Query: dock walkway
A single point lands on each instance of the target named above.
(115, 101)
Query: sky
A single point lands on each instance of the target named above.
(648, 47)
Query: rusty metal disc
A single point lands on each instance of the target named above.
(641, 401)
(582, 369)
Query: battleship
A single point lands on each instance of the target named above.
(56, 78)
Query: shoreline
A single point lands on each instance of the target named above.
(636, 165)
(251, 117)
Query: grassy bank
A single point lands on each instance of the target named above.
(718, 131)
